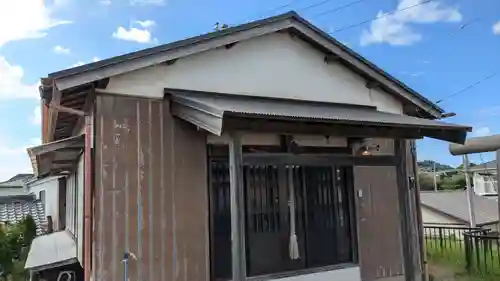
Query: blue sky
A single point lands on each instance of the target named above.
(437, 48)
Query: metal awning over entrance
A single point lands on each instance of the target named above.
(212, 111)
(51, 250)
(56, 157)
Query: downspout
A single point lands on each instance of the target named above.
(87, 183)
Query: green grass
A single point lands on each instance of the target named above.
(450, 253)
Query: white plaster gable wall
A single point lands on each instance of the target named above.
(275, 65)
(51, 188)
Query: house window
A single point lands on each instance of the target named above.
(323, 218)
(41, 196)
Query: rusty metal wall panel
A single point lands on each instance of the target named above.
(150, 194)
(379, 229)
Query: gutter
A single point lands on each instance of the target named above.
(46, 95)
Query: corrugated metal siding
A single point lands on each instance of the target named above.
(151, 195)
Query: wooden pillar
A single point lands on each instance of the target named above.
(237, 208)
(403, 196)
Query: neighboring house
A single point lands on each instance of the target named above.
(484, 178)
(44, 190)
(266, 150)
(16, 202)
(17, 181)
(47, 191)
(15, 186)
(450, 208)
(14, 209)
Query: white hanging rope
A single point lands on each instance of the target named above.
(294, 245)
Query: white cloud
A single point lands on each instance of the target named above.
(80, 63)
(26, 19)
(61, 50)
(37, 116)
(395, 29)
(490, 111)
(146, 23)
(105, 2)
(141, 34)
(496, 28)
(481, 132)
(14, 158)
(11, 84)
(413, 74)
(147, 2)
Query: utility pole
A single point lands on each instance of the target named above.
(470, 192)
(434, 176)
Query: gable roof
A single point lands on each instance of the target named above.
(291, 21)
(455, 204)
(491, 165)
(16, 181)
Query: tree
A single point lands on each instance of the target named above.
(461, 166)
(454, 182)
(426, 182)
(15, 240)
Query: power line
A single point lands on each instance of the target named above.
(347, 5)
(336, 9)
(383, 16)
(468, 87)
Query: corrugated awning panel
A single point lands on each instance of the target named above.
(51, 250)
(55, 157)
(207, 110)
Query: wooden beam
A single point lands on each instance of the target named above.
(317, 159)
(53, 113)
(237, 208)
(89, 101)
(332, 58)
(326, 129)
(372, 84)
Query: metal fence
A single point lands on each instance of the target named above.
(482, 251)
(477, 249)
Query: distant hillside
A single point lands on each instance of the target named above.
(429, 166)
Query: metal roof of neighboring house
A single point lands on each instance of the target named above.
(455, 204)
(491, 165)
(16, 181)
(291, 21)
(14, 191)
(207, 110)
(13, 211)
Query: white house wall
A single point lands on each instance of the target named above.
(51, 188)
(276, 65)
(484, 185)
